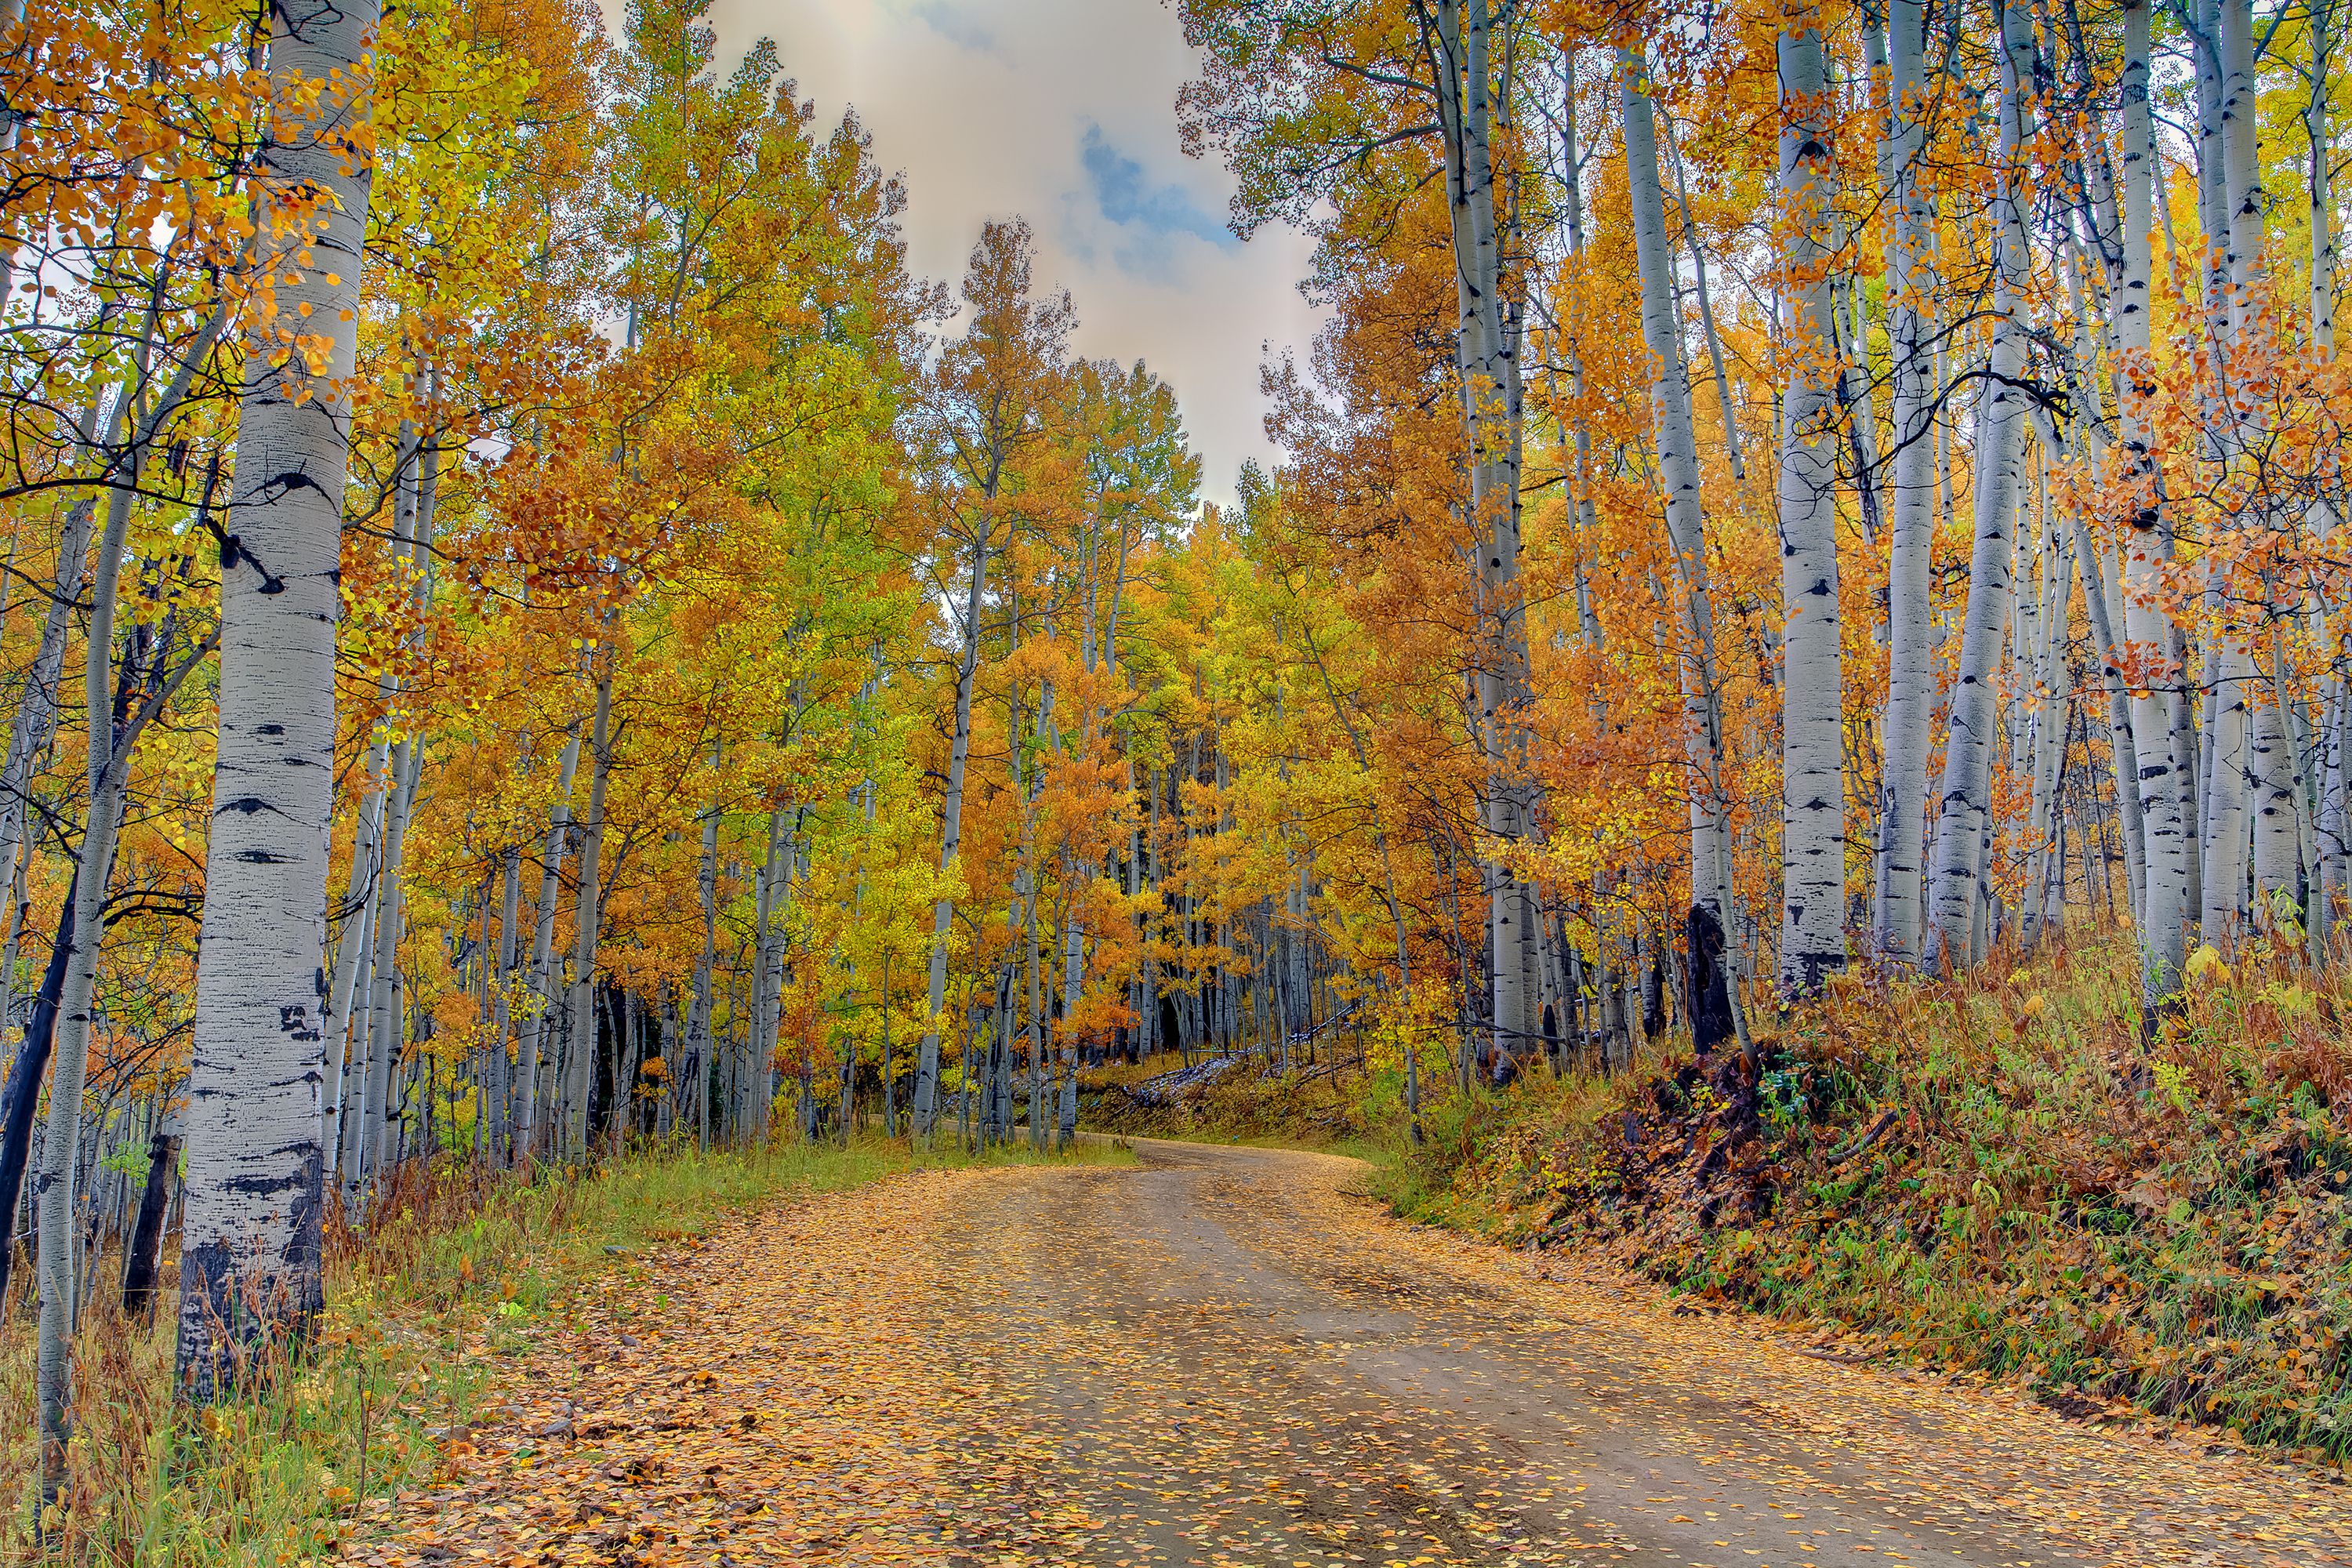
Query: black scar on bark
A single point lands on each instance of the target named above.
(262, 1186)
(147, 1236)
(1709, 998)
(22, 1096)
(205, 1345)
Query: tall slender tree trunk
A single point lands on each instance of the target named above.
(2335, 816)
(56, 1185)
(927, 1064)
(361, 888)
(249, 1270)
(1686, 523)
(1911, 680)
(35, 721)
(1487, 362)
(1957, 881)
(500, 1090)
(536, 1029)
(387, 1009)
(698, 1028)
(579, 1080)
(1812, 923)
(142, 1256)
(2167, 766)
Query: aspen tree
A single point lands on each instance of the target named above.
(580, 1068)
(1897, 906)
(1957, 884)
(249, 1270)
(1678, 457)
(991, 387)
(1812, 871)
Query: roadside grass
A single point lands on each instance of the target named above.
(1992, 1174)
(453, 1274)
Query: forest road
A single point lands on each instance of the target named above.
(1231, 1356)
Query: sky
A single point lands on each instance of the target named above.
(1062, 111)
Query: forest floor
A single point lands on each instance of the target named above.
(1228, 1355)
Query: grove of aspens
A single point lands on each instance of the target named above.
(674, 895)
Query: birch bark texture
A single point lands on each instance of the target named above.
(1461, 53)
(927, 1064)
(579, 1066)
(537, 1030)
(1812, 730)
(1678, 475)
(1957, 884)
(1911, 681)
(2167, 849)
(249, 1265)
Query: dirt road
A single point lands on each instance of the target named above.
(1224, 1357)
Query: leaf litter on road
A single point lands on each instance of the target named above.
(1228, 1357)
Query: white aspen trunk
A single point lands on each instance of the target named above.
(343, 1054)
(2166, 766)
(36, 718)
(1956, 887)
(2321, 206)
(2050, 718)
(698, 1028)
(251, 1223)
(762, 1078)
(367, 876)
(2236, 309)
(1911, 681)
(739, 1113)
(2241, 172)
(387, 1009)
(2214, 664)
(1813, 909)
(2277, 784)
(499, 1090)
(1073, 981)
(1705, 304)
(927, 1064)
(2229, 676)
(360, 888)
(375, 865)
(542, 948)
(2101, 578)
(580, 1068)
(352, 1123)
(2097, 602)
(2334, 819)
(55, 1182)
(1686, 523)
(1036, 1025)
(1487, 360)
(34, 723)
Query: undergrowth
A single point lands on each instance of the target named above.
(1992, 1174)
(1251, 1100)
(458, 1269)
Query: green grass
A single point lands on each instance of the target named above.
(455, 1271)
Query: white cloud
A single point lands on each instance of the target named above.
(1062, 111)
